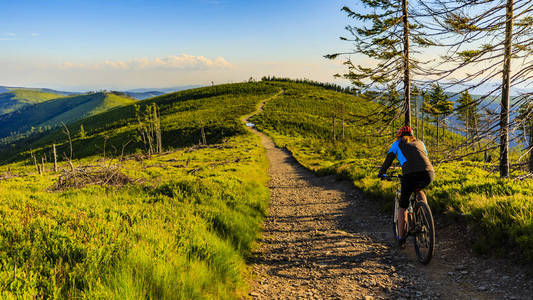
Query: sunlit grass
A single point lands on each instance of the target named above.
(182, 231)
(301, 120)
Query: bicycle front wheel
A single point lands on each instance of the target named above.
(395, 230)
(424, 233)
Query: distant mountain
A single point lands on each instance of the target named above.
(15, 99)
(4, 89)
(51, 113)
(165, 90)
(57, 92)
(144, 95)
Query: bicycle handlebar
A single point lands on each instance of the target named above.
(390, 177)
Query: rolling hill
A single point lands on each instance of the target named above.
(181, 228)
(13, 100)
(4, 89)
(51, 113)
(182, 223)
(183, 114)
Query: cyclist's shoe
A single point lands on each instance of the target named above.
(401, 242)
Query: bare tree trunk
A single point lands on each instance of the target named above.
(159, 141)
(443, 128)
(42, 163)
(438, 134)
(422, 126)
(204, 141)
(416, 115)
(55, 157)
(67, 132)
(506, 89)
(406, 79)
(476, 132)
(35, 161)
(531, 146)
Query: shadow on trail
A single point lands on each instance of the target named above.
(322, 231)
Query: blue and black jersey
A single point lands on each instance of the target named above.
(413, 157)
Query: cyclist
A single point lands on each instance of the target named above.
(417, 172)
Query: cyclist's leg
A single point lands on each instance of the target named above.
(423, 180)
(421, 196)
(407, 190)
(402, 221)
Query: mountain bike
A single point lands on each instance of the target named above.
(420, 223)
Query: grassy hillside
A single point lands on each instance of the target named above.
(175, 226)
(181, 224)
(302, 120)
(18, 98)
(183, 114)
(51, 113)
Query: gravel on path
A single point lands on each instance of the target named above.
(323, 239)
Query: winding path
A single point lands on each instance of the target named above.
(323, 239)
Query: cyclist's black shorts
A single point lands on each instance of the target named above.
(413, 181)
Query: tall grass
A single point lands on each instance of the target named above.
(182, 231)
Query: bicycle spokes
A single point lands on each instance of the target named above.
(424, 235)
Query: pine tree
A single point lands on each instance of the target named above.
(468, 114)
(387, 34)
(438, 107)
(390, 100)
(487, 36)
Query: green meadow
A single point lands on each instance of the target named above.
(18, 98)
(500, 210)
(181, 224)
(180, 228)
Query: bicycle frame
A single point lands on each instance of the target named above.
(421, 229)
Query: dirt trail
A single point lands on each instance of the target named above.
(323, 239)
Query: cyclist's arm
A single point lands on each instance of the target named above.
(426, 150)
(391, 155)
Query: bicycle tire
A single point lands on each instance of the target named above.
(425, 233)
(395, 219)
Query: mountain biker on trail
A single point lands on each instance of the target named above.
(417, 171)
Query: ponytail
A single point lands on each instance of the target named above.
(407, 139)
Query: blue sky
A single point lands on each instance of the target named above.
(127, 44)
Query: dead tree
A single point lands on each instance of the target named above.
(487, 36)
(66, 131)
(55, 157)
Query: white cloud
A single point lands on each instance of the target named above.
(34, 34)
(10, 34)
(172, 62)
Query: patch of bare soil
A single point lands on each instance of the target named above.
(323, 239)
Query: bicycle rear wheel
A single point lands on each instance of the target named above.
(424, 233)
